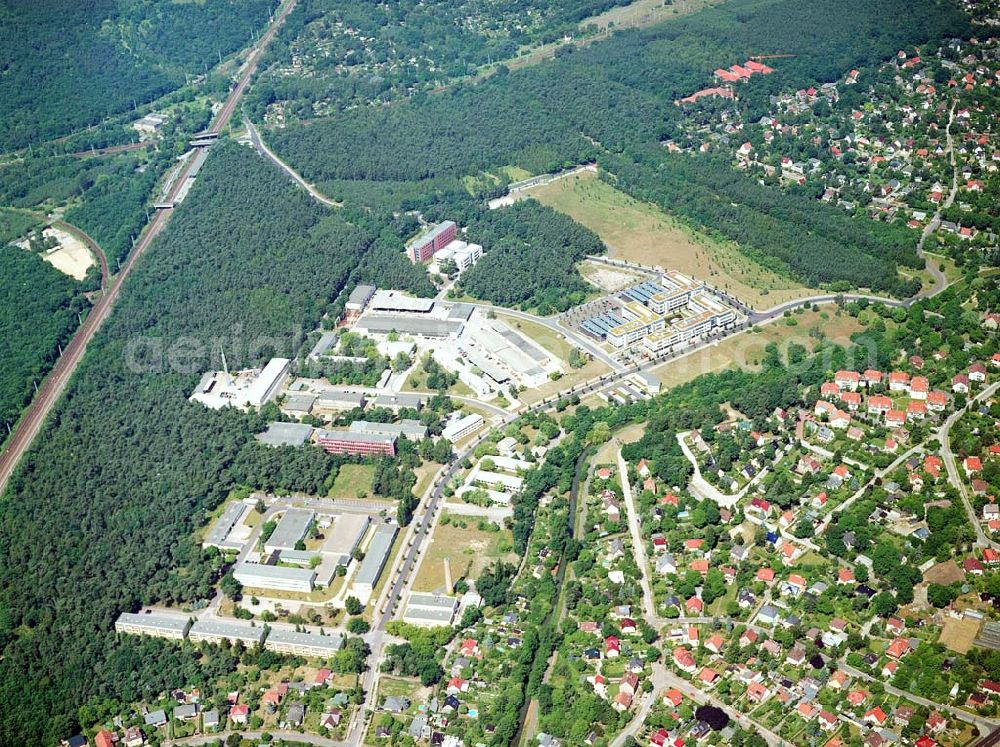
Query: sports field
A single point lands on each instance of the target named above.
(643, 233)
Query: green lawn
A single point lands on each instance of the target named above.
(353, 481)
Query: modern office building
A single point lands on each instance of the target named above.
(360, 444)
(277, 577)
(155, 624)
(283, 641)
(217, 631)
(640, 321)
(422, 248)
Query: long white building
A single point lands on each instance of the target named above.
(155, 624)
(283, 641)
(277, 577)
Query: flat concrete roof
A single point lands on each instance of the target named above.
(326, 341)
(292, 527)
(225, 629)
(401, 399)
(346, 534)
(387, 300)
(330, 642)
(286, 434)
(376, 554)
(407, 428)
(225, 523)
(360, 295)
(409, 325)
(434, 601)
(274, 572)
(155, 621)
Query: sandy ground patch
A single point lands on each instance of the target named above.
(71, 257)
(608, 279)
(944, 573)
(641, 232)
(958, 635)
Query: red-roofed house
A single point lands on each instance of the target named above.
(103, 738)
(937, 400)
(684, 660)
(876, 716)
(878, 404)
(972, 465)
(919, 387)
(694, 605)
(899, 381)
(847, 379)
(898, 649)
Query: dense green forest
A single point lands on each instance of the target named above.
(14, 225)
(613, 101)
(531, 253)
(37, 314)
(395, 49)
(69, 63)
(99, 516)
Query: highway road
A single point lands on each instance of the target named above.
(55, 383)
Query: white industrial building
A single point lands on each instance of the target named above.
(222, 527)
(277, 577)
(155, 624)
(430, 610)
(458, 429)
(376, 555)
(251, 388)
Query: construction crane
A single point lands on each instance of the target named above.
(769, 56)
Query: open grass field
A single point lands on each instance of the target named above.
(641, 232)
(353, 481)
(645, 13)
(958, 635)
(469, 550)
(746, 350)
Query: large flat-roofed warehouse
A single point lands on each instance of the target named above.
(328, 403)
(285, 641)
(286, 434)
(376, 555)
(358, 300)
(156, 624)
(383, 324)
(387, 300)
(231, 516)
(291, 528)
(278, 577)
(430, 609)
(268, 383)
(411, 429)
(343, 538)
(399, 401)
(216, 631)
(323, 345)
